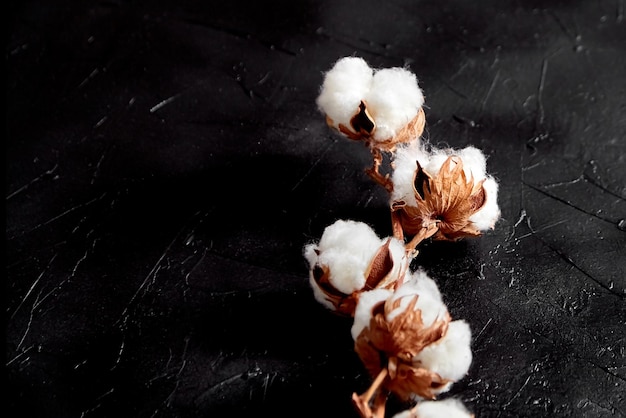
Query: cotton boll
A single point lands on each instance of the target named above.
(448, 408)
(489, 214)
(451, 356)
(344, 86)
(393, 100)
(346, 249)
(363, 311)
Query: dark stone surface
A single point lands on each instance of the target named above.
(166, 164)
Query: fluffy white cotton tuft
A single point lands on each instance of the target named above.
(423, 284)
(450, 357)
(489, 214)
(448, 408)
(474, 162)
(404, 167)
(346, 248)
(344, 86)
(393, 100)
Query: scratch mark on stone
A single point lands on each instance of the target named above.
(96, 171)
(518, 392)
(540, 89)
(101, 121)
(155, 268)
(483, 329)
(246, 36)
(543, 228)
(91, 75)
(99, 399)
(119, 355)
(522, 216)
(572, 35)
(164, 103)
(31, 315)
(20, 355)
(66, 212)
(33, 181)
(605, 369)
(594, 182)
(354, 43)
(561, 183)
(221, 384)
(454, 90)
(545, 193)
(460, 70)
(170, 397)
(69, 278)
(33, 286)
(489, 91)
(315, 163)
(195, 266)
(571, 262)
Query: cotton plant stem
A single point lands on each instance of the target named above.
(362, 402)
(374, 171)
(424, 233)
(421, 235)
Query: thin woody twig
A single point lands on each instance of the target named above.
(362, 402)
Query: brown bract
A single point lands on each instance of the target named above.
(387, 350)
(444, 205)
(363, 127)
(379, 275)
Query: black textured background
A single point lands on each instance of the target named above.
(166, 164)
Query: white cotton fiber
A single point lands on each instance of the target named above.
(404, 163)
(451, 356)
(489, 214)
(474, 162)
(344, 86)
(424, 284)
(447, 408)
(393, 100)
